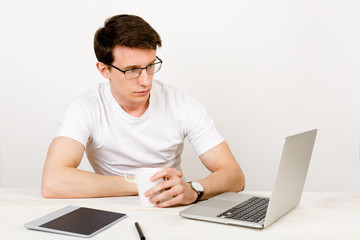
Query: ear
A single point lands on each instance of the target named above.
(103, 69)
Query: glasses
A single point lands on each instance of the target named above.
(136, 72)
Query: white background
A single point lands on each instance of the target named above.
(263, 70)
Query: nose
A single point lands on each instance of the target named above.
(144, 78)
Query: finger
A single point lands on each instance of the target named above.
(177, 200)
(174, 170)
(159, 187)
(174, 191)
(167, 173)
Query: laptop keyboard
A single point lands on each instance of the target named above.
(252, 210)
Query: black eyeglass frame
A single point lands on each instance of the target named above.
(124, 71)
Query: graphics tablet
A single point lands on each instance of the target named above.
(76, 221)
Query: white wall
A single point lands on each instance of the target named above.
(263, 69)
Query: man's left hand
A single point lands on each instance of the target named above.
(173, 191)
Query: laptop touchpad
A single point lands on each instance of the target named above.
(217, 203)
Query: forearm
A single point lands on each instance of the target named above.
(62, 178)
(224, 179)
(68, 182)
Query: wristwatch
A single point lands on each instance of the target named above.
(198, 188)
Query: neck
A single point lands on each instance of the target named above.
(136, 109)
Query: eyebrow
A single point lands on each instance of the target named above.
(137, 66)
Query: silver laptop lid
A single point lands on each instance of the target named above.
(291, 174)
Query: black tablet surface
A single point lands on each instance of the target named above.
(76, 221)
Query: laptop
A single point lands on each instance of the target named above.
(259, 212)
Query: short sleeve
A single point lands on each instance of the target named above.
(76, 121)
(200, 128)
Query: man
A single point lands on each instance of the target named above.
(132, 121)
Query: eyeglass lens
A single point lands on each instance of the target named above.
(134, 73)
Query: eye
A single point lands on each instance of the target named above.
(152, 66)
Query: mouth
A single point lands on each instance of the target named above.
(145, 92)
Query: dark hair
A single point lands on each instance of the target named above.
(124, 30)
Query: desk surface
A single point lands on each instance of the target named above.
(318, 216)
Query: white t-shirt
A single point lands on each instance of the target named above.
(116, 141)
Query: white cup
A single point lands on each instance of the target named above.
(143, 183)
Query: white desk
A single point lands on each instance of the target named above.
(318, 216)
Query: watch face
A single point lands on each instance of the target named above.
(197, 186)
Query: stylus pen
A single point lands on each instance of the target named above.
(141, 234)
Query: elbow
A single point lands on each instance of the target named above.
(241, 185)
(240, 181)
(46, 191)
(48, 188)
(54, 184)
(243, 181)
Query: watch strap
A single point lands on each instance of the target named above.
(200, 193)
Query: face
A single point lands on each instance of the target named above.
(134, 92)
